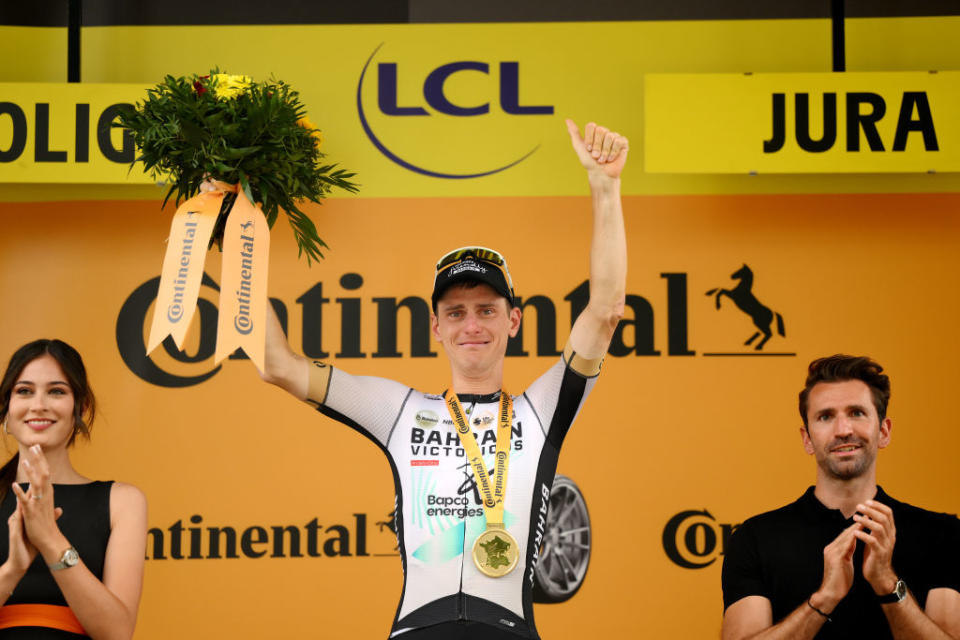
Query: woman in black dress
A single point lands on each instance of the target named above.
(73, 554)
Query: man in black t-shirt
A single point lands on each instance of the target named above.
(845, 560)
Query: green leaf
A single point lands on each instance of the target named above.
(240, 152)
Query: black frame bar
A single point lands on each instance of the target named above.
(75, 11)
(839, 40)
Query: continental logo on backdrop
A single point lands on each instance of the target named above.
(62, 133)
(455, 113)
(694, 539)
(196, 538)
(802, 122)
(739, 313)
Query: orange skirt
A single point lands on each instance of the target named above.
(40, 615)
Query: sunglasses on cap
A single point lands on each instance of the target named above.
(482, 254)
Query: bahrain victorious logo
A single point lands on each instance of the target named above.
(742, 296)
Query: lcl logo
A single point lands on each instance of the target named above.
(437, 102)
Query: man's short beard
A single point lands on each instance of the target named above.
(844, 470)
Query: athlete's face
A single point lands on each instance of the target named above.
(474, 325)
(845, 431)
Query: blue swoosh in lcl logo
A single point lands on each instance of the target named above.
(407, 165)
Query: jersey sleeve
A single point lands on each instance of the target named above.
(557, 396)
(368, 404)
(742, 573)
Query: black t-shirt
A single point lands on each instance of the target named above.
(779, 555)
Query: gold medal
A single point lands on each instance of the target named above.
(495, 552)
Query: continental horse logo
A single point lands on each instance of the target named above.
(391, 524)
(742, 296)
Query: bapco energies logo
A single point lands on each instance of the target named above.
(412, 137)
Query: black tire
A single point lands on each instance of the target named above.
(565, 551)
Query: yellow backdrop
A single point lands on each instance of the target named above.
(697, 432)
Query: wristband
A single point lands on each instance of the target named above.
(818, 610)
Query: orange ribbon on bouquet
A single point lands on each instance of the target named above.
(243, 282)
(183, 268)
(243, 278)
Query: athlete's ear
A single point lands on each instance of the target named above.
(515, 315)
(435, 327)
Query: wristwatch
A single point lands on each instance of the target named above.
(68, 559)
(899, 594)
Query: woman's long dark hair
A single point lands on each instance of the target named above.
(84, 404)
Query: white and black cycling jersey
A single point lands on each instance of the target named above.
(439, 512)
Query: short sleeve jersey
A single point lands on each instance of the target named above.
(439, 511)
(779, 555)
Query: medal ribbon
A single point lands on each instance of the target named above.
(493, 497)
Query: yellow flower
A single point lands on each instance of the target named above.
(316, 133)
(228, 86)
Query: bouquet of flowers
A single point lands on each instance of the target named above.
(253, 142)
(232, 129)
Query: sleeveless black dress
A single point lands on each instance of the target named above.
(86, 524)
